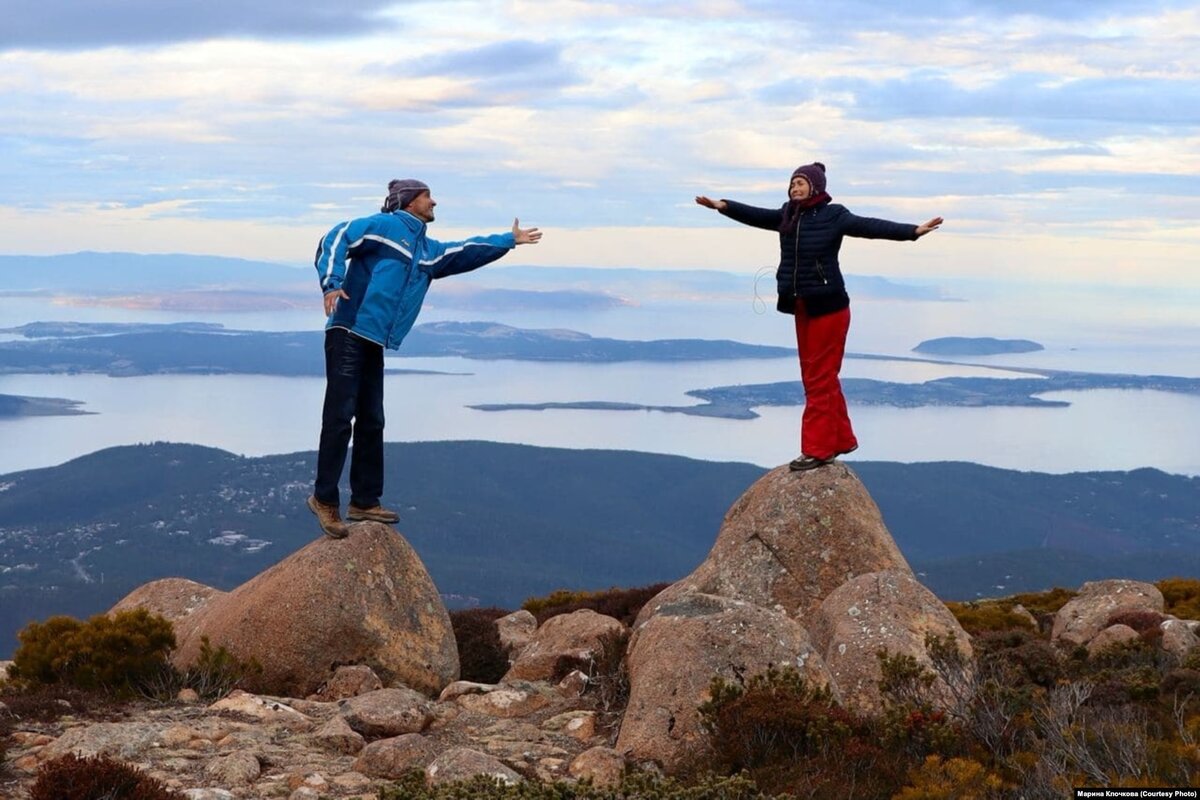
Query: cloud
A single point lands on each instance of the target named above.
(84, 24)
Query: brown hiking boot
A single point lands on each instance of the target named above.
(329, 518)
(375, 513)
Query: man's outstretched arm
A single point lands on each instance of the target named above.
(454, 258)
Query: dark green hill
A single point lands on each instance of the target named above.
(496, 523)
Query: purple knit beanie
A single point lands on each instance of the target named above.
(401, 193)
(814, 173)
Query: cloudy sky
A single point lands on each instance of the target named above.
(1060, 138)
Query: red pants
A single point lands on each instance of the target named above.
(825, 431)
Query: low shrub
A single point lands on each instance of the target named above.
(120, 653)
(988, 616)
(480, 656)
(94, 778)
(1048, 602)
(1181, 597)
(775, 716)
(952, 779)
(623, 604)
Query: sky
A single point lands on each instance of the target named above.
(1060, 139)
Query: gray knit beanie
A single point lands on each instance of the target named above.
(401, 193)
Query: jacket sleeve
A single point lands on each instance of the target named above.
(767, 218)
(332, 254)
(871, 228)
(452, 258)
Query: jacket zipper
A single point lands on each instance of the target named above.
(796, 258)
(796, 261)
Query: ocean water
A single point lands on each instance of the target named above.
(255, 415)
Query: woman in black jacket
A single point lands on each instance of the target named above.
(811, 287)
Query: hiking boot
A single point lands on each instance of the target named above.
(808, 462)
(375, 513)
(329, 518)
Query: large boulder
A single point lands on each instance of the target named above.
(179, 600)
(790, 540)
(564, 639)
(675, 654)
(880, 611)
(366, 599)
(1090, 611)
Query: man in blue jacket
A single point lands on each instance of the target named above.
(375, 272)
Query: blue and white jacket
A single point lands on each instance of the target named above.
(385, 263)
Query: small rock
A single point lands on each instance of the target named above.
(1111, 636)
(263, 709)
(507, 702)
(305, 793)
(1178, 638)
(348, 681)
(337, 736)
(351, 781)
(208, 794)
(1088, 613)
(237, 769)
(309, 780)
(460, 688)
(578, 636)
(574, 684)
(388, 712)
(1024, 613)
(604, 766)
(27, 764)
(30, 739)
(177, 736)
(391, 758)
(188, 696)
(550, 769)
(515, 631)
(461, 763)
(579, 725)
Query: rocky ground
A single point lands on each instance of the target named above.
(250, 746)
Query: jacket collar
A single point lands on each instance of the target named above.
(412, 223)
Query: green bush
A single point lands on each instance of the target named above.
(121, 653)
(95, 778)
(623, 604)
(480, 656)
(217, 672)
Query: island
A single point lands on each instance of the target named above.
(738, 402)
(15, 405)
(122, 350)
(975, 346)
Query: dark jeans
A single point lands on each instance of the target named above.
(353, 390)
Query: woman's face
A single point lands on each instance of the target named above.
(800, 188)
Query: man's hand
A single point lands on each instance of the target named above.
(716, 205)
(331, 300)
(928, 227)
(525, 235)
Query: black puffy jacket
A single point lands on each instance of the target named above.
(808, 253)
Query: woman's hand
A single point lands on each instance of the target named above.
(525, 235)
(716, 205)
(928, 227)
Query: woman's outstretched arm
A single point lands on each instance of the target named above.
(767, 218)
